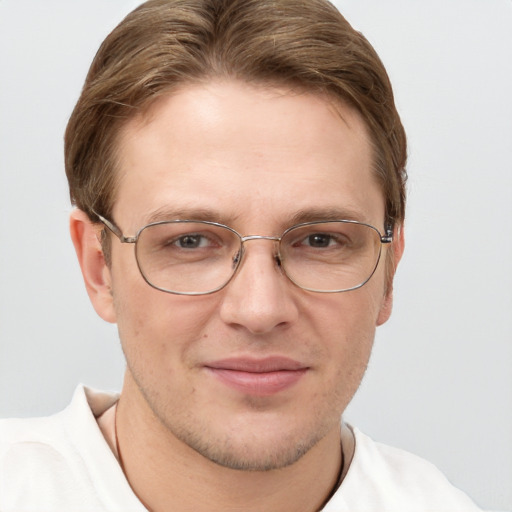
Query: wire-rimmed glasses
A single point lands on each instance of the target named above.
(189, 257)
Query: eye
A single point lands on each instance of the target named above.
(192, 241)
(319, 240)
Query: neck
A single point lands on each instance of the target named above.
(167, 474)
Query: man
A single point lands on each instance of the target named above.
(238, 168)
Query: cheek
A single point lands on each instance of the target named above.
(154, 324)
(348, 315)
(347, 323)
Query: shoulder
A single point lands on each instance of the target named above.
(57, 432)
(382, 478)
(45, 460)
(32, 437)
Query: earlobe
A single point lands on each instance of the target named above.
(96, 274)
(386, 307)
(392, 264)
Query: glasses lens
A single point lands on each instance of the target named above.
(187, 257)
(330, 256)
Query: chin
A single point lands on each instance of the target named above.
(264, 446)
(256, 457)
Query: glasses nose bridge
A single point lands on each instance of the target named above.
(249, 238)
(244, 239)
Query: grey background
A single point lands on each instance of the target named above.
(440, 380)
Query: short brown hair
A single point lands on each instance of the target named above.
(166, 43)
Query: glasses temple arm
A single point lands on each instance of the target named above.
(111, 226)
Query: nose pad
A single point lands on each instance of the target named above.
(279, 262)
(237, 257)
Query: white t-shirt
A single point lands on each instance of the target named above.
(62, 463)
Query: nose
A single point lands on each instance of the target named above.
(259, 298)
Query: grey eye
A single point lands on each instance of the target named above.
(191, 241)
(318, 240)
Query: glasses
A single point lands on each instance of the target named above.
(189, 257)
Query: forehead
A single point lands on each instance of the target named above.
(238, 149)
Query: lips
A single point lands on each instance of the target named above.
(258, 377)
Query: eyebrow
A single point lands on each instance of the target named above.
(319, 214)
(201, 214)
(299, 217)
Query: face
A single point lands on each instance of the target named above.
(254, 375)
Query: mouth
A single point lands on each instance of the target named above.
(258, 377)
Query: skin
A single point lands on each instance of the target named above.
(254, 157)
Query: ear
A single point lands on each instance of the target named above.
(96, 274)
(392, 260)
